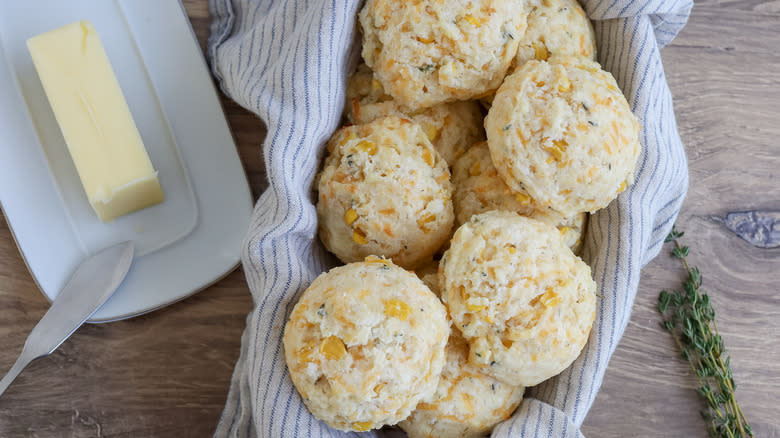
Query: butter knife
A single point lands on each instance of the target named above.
(93, 282)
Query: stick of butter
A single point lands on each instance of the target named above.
(94, 118)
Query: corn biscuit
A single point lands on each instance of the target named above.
(523, 301)
(428, 52)
(563, 131)
(364, 344)
(384, 191)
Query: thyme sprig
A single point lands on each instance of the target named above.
(690, 318)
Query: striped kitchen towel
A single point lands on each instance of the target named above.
(287, 61)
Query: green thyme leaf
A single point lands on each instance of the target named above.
(690, 318)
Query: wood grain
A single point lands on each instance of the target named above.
(724, 71)
(166, 374)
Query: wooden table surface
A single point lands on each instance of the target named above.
(166, 374)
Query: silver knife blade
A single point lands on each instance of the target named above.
(91, 284)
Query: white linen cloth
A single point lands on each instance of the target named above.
(287, 61)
